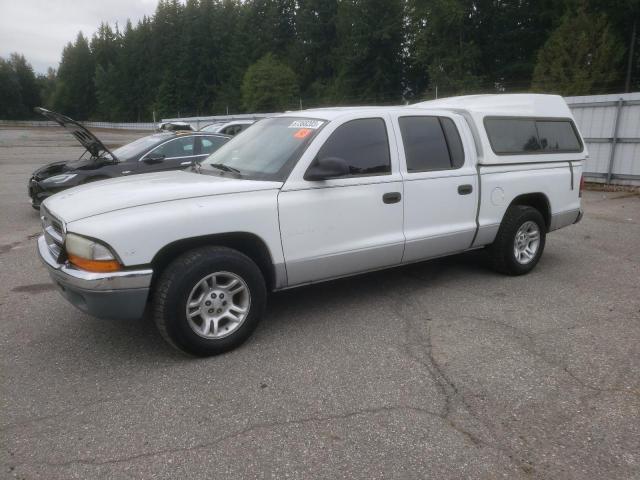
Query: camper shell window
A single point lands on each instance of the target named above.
(525, 136)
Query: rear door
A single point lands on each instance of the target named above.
(440, 185)
(349, 224)
(206, 145)
(173, 154)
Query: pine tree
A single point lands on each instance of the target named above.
(75, 90)
(11, 105)
(582, 56)
(29, 89)
(444, 53)
(368, 57)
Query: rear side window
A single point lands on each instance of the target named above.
(209, 145)
(363, 144)
(431, 143)
(530, 135)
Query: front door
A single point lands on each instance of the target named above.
(172, 155)
(345, 225)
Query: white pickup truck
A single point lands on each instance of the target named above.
(311, 196)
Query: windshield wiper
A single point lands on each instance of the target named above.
(224, 168)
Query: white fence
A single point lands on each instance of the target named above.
(46, 123)
(610, 125)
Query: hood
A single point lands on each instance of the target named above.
(57, 168)
(87, 139)
(127, 192)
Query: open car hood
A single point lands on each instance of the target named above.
(88, 140)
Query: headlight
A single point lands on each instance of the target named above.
(90, 255)
(65, 177)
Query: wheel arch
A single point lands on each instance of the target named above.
(537, 200)
(247, 243)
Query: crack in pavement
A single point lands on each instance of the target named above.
(238, 433)
(451, 392)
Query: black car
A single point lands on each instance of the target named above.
(170, 150)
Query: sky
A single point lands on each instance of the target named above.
(39, 29)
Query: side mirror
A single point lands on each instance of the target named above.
(154, 158)
(326, 168)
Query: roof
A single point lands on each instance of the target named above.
(518, 105)
(526, 105)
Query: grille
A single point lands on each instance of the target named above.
(53, 233)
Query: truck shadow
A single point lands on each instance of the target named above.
(287, 306)
(120, 343)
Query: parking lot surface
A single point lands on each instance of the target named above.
(440, 370)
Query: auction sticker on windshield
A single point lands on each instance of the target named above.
(312, 124)
(302, 133)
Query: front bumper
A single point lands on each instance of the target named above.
(116, 295)
(36, 193)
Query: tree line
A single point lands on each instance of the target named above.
(229, 56)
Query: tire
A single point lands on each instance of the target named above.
(508, 253)
(190, 279)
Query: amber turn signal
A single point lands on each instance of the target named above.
(100, 266)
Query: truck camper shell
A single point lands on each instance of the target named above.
(517, 128)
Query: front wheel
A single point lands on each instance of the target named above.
(209, 300)
(520, 241)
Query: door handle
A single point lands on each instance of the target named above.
(185, 163)
(465, 189)
(391, 197)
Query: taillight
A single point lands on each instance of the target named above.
(581, 185)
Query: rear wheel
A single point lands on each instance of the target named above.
(520, 241)
(209, 300)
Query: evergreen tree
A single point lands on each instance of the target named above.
(368, 57)
(508, 35)
(269, 86)
(47, 85)
(444, 50)
(580, 57)
(316, 41)
(192, 56)
(75, 91)
(29, 88)
(11, 106)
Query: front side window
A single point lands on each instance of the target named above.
(513, 136)
(363, 144)
(431, 143)
(138, 147)
(180, 147)
(266, 151)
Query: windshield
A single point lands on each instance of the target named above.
(266, 151)
(138, 147)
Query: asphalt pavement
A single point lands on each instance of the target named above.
(442, 370)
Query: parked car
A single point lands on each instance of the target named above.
(311, 196)
(170, 150)
(228, 128)
(174, 126)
